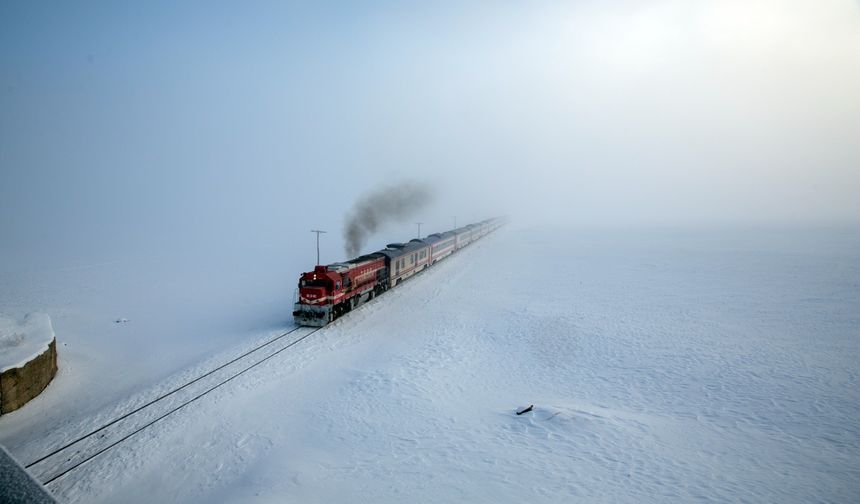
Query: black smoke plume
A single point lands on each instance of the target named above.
(382, 206)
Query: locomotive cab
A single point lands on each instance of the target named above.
(316, 291)
(328, 292)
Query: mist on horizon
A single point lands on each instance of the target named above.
(164, 127)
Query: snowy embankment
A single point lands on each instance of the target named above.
(21, 342)
(28, 359)
(670, 367)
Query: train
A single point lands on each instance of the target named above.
(333, 290)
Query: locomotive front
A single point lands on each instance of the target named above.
(328, 292)
(316, 297)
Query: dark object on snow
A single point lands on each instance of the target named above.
(526, 410)
(16, 484)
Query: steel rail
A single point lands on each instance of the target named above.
(174, 410)
(157, 399)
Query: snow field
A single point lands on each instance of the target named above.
(692, 367)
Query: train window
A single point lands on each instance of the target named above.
(314, 283)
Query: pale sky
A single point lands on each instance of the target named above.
(121, 124)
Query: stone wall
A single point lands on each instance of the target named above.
(19, 385)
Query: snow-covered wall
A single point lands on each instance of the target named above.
(28, 359)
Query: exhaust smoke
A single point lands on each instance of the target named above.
(373, 211)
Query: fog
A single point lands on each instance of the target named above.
(169, 129)
(165, 162)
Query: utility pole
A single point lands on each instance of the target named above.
(419, 229)
(317, 231)
(455, 222)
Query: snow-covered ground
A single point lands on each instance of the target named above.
(663, 366)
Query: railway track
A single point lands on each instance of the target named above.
(68, 457)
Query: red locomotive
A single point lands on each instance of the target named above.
(328, 292)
